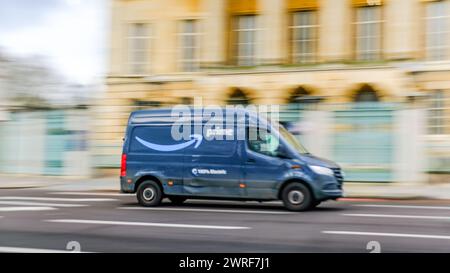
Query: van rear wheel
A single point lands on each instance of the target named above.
(297, 197)
(177, 200)
(149, 194)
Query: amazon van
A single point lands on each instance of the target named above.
(251, 158)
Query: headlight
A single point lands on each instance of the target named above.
(322, 170)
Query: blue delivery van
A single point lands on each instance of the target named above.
(251, 159)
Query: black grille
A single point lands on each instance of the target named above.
(339, 176)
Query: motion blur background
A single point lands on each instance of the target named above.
(365, 83)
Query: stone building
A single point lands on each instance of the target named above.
(387, 54)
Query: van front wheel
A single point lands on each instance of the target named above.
(297, 197)
(149, 194)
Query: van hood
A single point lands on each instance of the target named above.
(317, 161)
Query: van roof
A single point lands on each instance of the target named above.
(168, 111)
(165, 114)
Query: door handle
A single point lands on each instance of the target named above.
(251, 160)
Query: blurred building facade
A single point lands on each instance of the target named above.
(41, 132)
(370, 77)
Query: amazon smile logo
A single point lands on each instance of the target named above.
(197, 139)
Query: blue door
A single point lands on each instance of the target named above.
(213, 168)
(262, 168)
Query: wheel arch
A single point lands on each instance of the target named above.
(147, 177)
(296, 180)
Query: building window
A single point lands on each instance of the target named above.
(368, 26)
(304, 36)
(138, 48)
(366, 93)
(238, 97)
(436, 16)
(245, 40)
(436, 113)
(189, 46)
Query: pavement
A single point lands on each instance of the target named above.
(352, 190)
(57, 219)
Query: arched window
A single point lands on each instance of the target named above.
(238, 97)
(366, 93)
(186, 101)
(146, 104)
(301, 99)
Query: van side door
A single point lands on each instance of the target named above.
(214, 169)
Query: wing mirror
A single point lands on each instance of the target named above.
(282, 152)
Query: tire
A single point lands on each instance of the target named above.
(149, 194)
(297, 197)
(177, 200)
(315, 204)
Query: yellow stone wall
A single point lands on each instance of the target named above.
(335, 77)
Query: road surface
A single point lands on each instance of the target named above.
(41, 220)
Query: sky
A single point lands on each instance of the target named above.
(71, 35)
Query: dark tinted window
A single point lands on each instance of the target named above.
(262, 141)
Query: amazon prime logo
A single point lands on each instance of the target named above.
(197, 139)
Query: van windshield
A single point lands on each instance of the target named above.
(292, 141)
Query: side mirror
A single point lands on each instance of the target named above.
(283, 153)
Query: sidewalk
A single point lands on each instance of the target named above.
(58, 183)
(352, 190)
(397, 191)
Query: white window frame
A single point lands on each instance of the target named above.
(368, 46)
(438, 51)
(249, 45)
(437, 113)
(300, 54)
(132, 62)
(186, 64)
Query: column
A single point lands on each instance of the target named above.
(272, 42)
(335, 40)
(214, 43)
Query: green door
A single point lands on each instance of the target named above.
(363, 141)
(55, 144)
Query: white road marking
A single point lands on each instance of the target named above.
(91, 193)
(6, 249)
(143, 224)
(39, 204)
(405, 235)
(57, 199)
(399, 216)
(11, 209)
(208, 210)
(403, 207)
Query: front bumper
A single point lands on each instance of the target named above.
(329, 187)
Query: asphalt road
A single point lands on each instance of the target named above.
(42, 220)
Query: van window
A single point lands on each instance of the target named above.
(262, 141)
